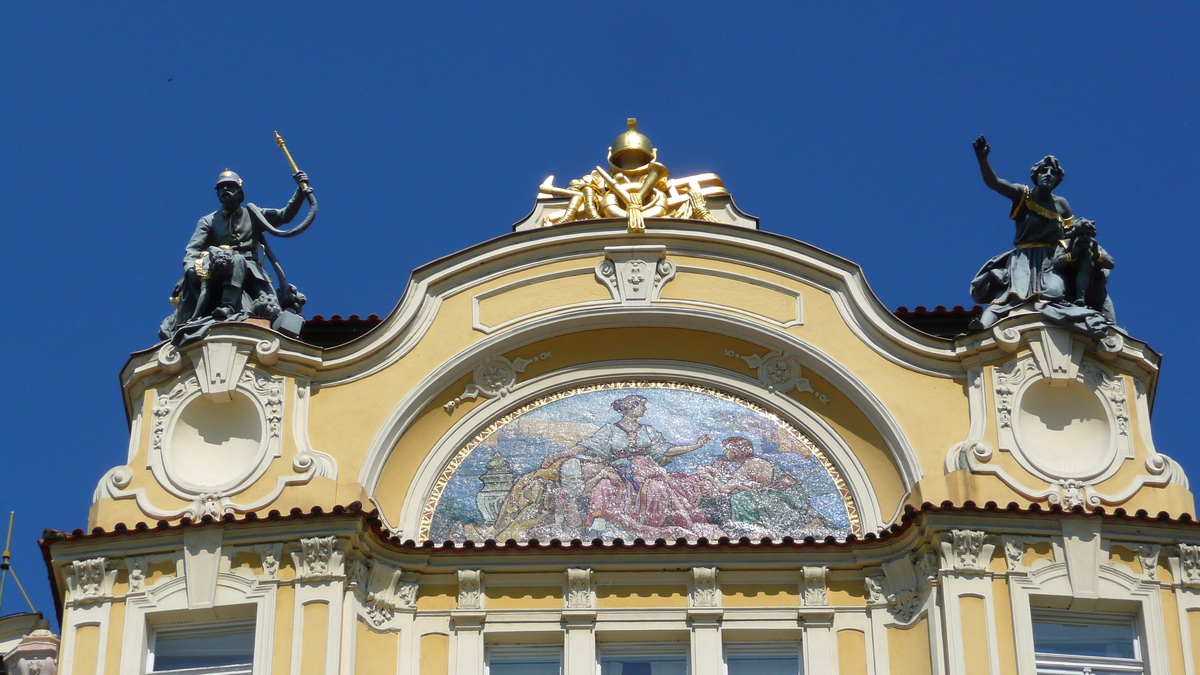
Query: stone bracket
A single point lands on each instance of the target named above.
(635, 274)
(1057, 353)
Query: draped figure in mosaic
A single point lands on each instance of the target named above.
(629, 491)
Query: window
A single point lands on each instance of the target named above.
(762, 659)
(523, 660)
(1071, 643)
(641, 659)
(225, 648)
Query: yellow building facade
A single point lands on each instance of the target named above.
(649, 444)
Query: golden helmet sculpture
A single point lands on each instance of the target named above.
(632, 150)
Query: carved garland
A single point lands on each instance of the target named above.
(494, 376)
(779, 373)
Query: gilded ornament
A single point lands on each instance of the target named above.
(635, 187)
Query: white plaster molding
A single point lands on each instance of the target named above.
(1011, 381)
(816, 428)
(898, 587)
(450, 370)
(958, 457)
(779, 373)
(1029, 327)
(135, 440)
(495, 376)
(218, 365)
(201, 564)
(1081, 548)
(705, 591)
(270, 555)
(470, 589)
(478, 300)
(266, 393)
(868, 318)
(1057, 353)
(89, 581)
(323, 464)
(904, 588)
(967, 551)
(635, 274)
(318, 592)
(955, 587)
(320, 580)
(137, 566)
(606, 276)
(168, 358)
(1014, 552)
(1148, 558)
(381, 592)
(1156, 463)
(1189, 565)
(927, 564)
(169, 598)
(77, 616)
(814, 586)
(580, 591)
(319, 559)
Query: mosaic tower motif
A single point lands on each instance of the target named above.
(635, 460)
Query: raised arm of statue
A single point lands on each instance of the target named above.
(287, 213)
(1009, 190)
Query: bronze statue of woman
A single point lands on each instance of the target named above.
(1026, 273)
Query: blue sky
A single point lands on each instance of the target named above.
(427, 127)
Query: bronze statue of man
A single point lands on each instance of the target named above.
(1056, 267)
(224, 278)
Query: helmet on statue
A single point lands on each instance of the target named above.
(631, 150)
(228, 176)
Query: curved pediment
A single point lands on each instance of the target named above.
(527, 276)
(784, 328)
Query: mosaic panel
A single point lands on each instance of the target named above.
(638, 459)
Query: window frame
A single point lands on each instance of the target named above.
(790, 647)
(225, 627)
(167, 602)
(651, 649)
(1051, 663)
(1113, 591)
(531, 651)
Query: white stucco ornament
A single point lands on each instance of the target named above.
(216, 430)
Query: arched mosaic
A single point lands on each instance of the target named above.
(638, 459)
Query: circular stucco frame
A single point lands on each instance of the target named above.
(177, 485)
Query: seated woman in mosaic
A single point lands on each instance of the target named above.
(629, 491)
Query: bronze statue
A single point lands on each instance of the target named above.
(1056, 267)
(223, 275)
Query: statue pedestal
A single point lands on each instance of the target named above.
(261, 323)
